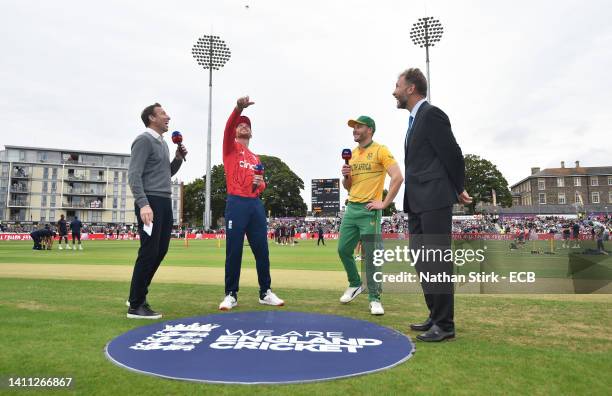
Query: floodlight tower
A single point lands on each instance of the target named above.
(211, 53)
(425, 33)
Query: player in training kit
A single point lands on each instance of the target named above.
(75, 227)
(62, 228)
(364, 178)
(244, 211)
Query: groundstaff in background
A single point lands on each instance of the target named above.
(43, 238)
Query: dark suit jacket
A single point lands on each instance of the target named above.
(434, 165)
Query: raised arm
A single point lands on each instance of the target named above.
(230, 127)
(230, 131)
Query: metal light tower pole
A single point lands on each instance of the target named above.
(425, 33)
(211, 53)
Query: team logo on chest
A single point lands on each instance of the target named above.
(247, 165)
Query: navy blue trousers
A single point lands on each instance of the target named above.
(246, 216)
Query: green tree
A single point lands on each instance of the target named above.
(195, 197)
(390, 210)
(218, 193)
(282, 194)
(193, 202)
(481, 178)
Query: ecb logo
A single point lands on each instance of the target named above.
(297, 347)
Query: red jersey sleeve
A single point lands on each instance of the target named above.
(229, 134)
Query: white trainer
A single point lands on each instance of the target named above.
(68, 247)
(350, 294)
(127, 303)
(271, 299)
(60, 247)
(228, 303)
(80, 247)
(376, 308)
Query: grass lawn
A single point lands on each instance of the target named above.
(506, 344)
(305, 255)
(201, 253)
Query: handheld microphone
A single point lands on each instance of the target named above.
(259, 170)
(347, 154)
(177, 138)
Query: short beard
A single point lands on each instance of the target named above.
(402, 104)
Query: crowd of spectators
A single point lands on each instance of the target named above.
(398, 223)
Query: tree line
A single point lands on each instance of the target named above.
(282, 197)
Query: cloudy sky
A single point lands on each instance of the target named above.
(525, 83)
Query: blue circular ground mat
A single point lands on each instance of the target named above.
(264, 347)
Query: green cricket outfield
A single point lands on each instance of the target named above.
(60, 308)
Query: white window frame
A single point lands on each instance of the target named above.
(540, 198)
(560, 182)
(595, 197)
(609, 180)
(543, 186)
(560, 198)
(594, 181)
(577, 182)
(577, 197)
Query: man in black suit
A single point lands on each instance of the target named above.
(434, 181)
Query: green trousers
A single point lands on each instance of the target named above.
(359, 221)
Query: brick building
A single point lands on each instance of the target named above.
(589, 188)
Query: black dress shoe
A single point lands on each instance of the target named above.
(436, 334)
(143, 312)
(422, 326)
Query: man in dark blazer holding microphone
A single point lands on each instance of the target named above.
(434, 181)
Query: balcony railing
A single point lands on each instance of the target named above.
(83, 191)
(83, 178)
(20, 190)
(20, 175)
(83, 205)
(18, 202)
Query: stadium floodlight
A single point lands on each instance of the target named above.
(211, 53)
(426, 32)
